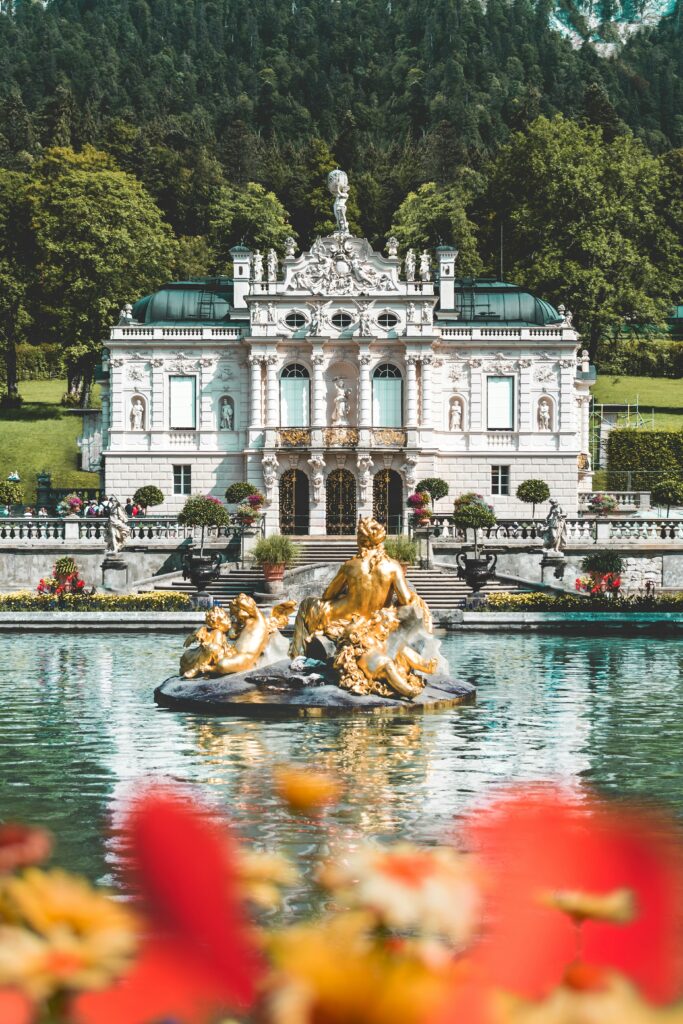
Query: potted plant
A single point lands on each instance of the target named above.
(420, 504)
(275, 554)
(604, 570)
(434, 486)
(603, 504)
(401, 548)
(70, 505)
(11, 493)
(239, 492)
(203, 511)
(148, 496)
(471, 512)
(667, 494)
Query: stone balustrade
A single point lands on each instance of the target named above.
(626, 500)
(618, 531)
(83, 532)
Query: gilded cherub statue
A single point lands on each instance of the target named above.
(235, 642)
(371, 615)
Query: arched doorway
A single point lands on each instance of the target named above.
(387, 500)
(340, 511)
(294, 503)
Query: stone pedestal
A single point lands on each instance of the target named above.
(553, 564)
(114, 574)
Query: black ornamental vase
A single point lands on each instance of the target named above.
(476, 571)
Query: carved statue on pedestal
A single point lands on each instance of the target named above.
(317, 464)
(410, 265)
(338, 184)
(118, 530)
(234, 642)
(555, 529)
(455, 419)
(544, 421)
(425, 266)
(341, 407)
(137, 415)
(272, 265)
(257, 266)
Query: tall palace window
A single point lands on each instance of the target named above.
(295, 391)
(387, 396)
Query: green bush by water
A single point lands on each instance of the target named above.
(154, 601)
(539, 602)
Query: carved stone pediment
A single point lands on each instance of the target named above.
(341, 266)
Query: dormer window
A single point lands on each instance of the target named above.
(342, 320)
(387, 321)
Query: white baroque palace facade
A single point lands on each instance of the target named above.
(336, 379)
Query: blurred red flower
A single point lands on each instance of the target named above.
(539, 841)
(15, 1008)
(200, 955)
(21, 845)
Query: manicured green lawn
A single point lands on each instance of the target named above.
(42, 435)
(664, 394)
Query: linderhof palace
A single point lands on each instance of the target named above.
(338, 378)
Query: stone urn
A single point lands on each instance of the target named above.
(201, 570)
(476, 571)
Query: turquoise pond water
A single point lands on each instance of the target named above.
(79, 730)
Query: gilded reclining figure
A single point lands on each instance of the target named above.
(232, 642)
(371, 614)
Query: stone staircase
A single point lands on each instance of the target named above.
(442, 590)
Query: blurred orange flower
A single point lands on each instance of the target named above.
(337, 972)
(21, 845)
(15, 1008)
(541, 840)
(304, 790)
(200, 955)
(434, 891)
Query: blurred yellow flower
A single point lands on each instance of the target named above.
(432, 891)
(616, 1002)
(304, 790)
(57, 932)
(617, 906)
(262, 876)
(334, 972)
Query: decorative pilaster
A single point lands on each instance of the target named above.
(256, 415)
(365, 417)
(319, 389)
(272, 403)
(567, 407)
(426, 418)
(158, 397)
(411, 384)
(524, 409)
(476, 387)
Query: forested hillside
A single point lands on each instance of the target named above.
(402, 91)
(140, 139)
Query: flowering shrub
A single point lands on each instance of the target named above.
(255, 500)
(87, 601)
(602, 504)
(409, 934)
(421, 504)
(599, 583)
(247, 515)
(71, 505)
(541, 602)
(64, 581)
(418, 500)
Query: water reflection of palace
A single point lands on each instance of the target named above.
(337, 378)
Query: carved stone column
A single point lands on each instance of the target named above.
(319, 390)
(426, 418)
(273, 410)
(365, 415)
(525, 410)
(567, 408)
(411, 387)
(256, 414)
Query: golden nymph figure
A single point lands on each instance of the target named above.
(371, 614)
(234, 642)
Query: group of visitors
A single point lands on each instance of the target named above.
(132, 509)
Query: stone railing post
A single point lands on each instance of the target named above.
(72, 529)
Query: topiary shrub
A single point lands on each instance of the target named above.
(667, 494)
(11, 493)
(238, 492)
(434, 486)
(471, 511)
(148, 496)
(203, 510)
(533, 492)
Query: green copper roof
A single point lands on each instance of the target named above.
(487, 301)
(204, 300)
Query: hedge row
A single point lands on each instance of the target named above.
(539, 602)
(649, 456)
(154, 601)
(37, 362)
(641, 358)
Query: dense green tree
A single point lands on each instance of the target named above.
(99, 240)
(583, 224)
(249, 215)
(432, 216)
(15, 271)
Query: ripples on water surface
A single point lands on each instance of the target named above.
(78, 729)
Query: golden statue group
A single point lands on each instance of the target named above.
(368, 623)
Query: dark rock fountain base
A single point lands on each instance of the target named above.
(280, 690)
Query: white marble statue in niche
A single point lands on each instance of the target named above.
(545, 415)
(137, 413)
(455, 415)
(341, 408)
(226, 419)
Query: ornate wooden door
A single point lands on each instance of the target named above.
(341, 503)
